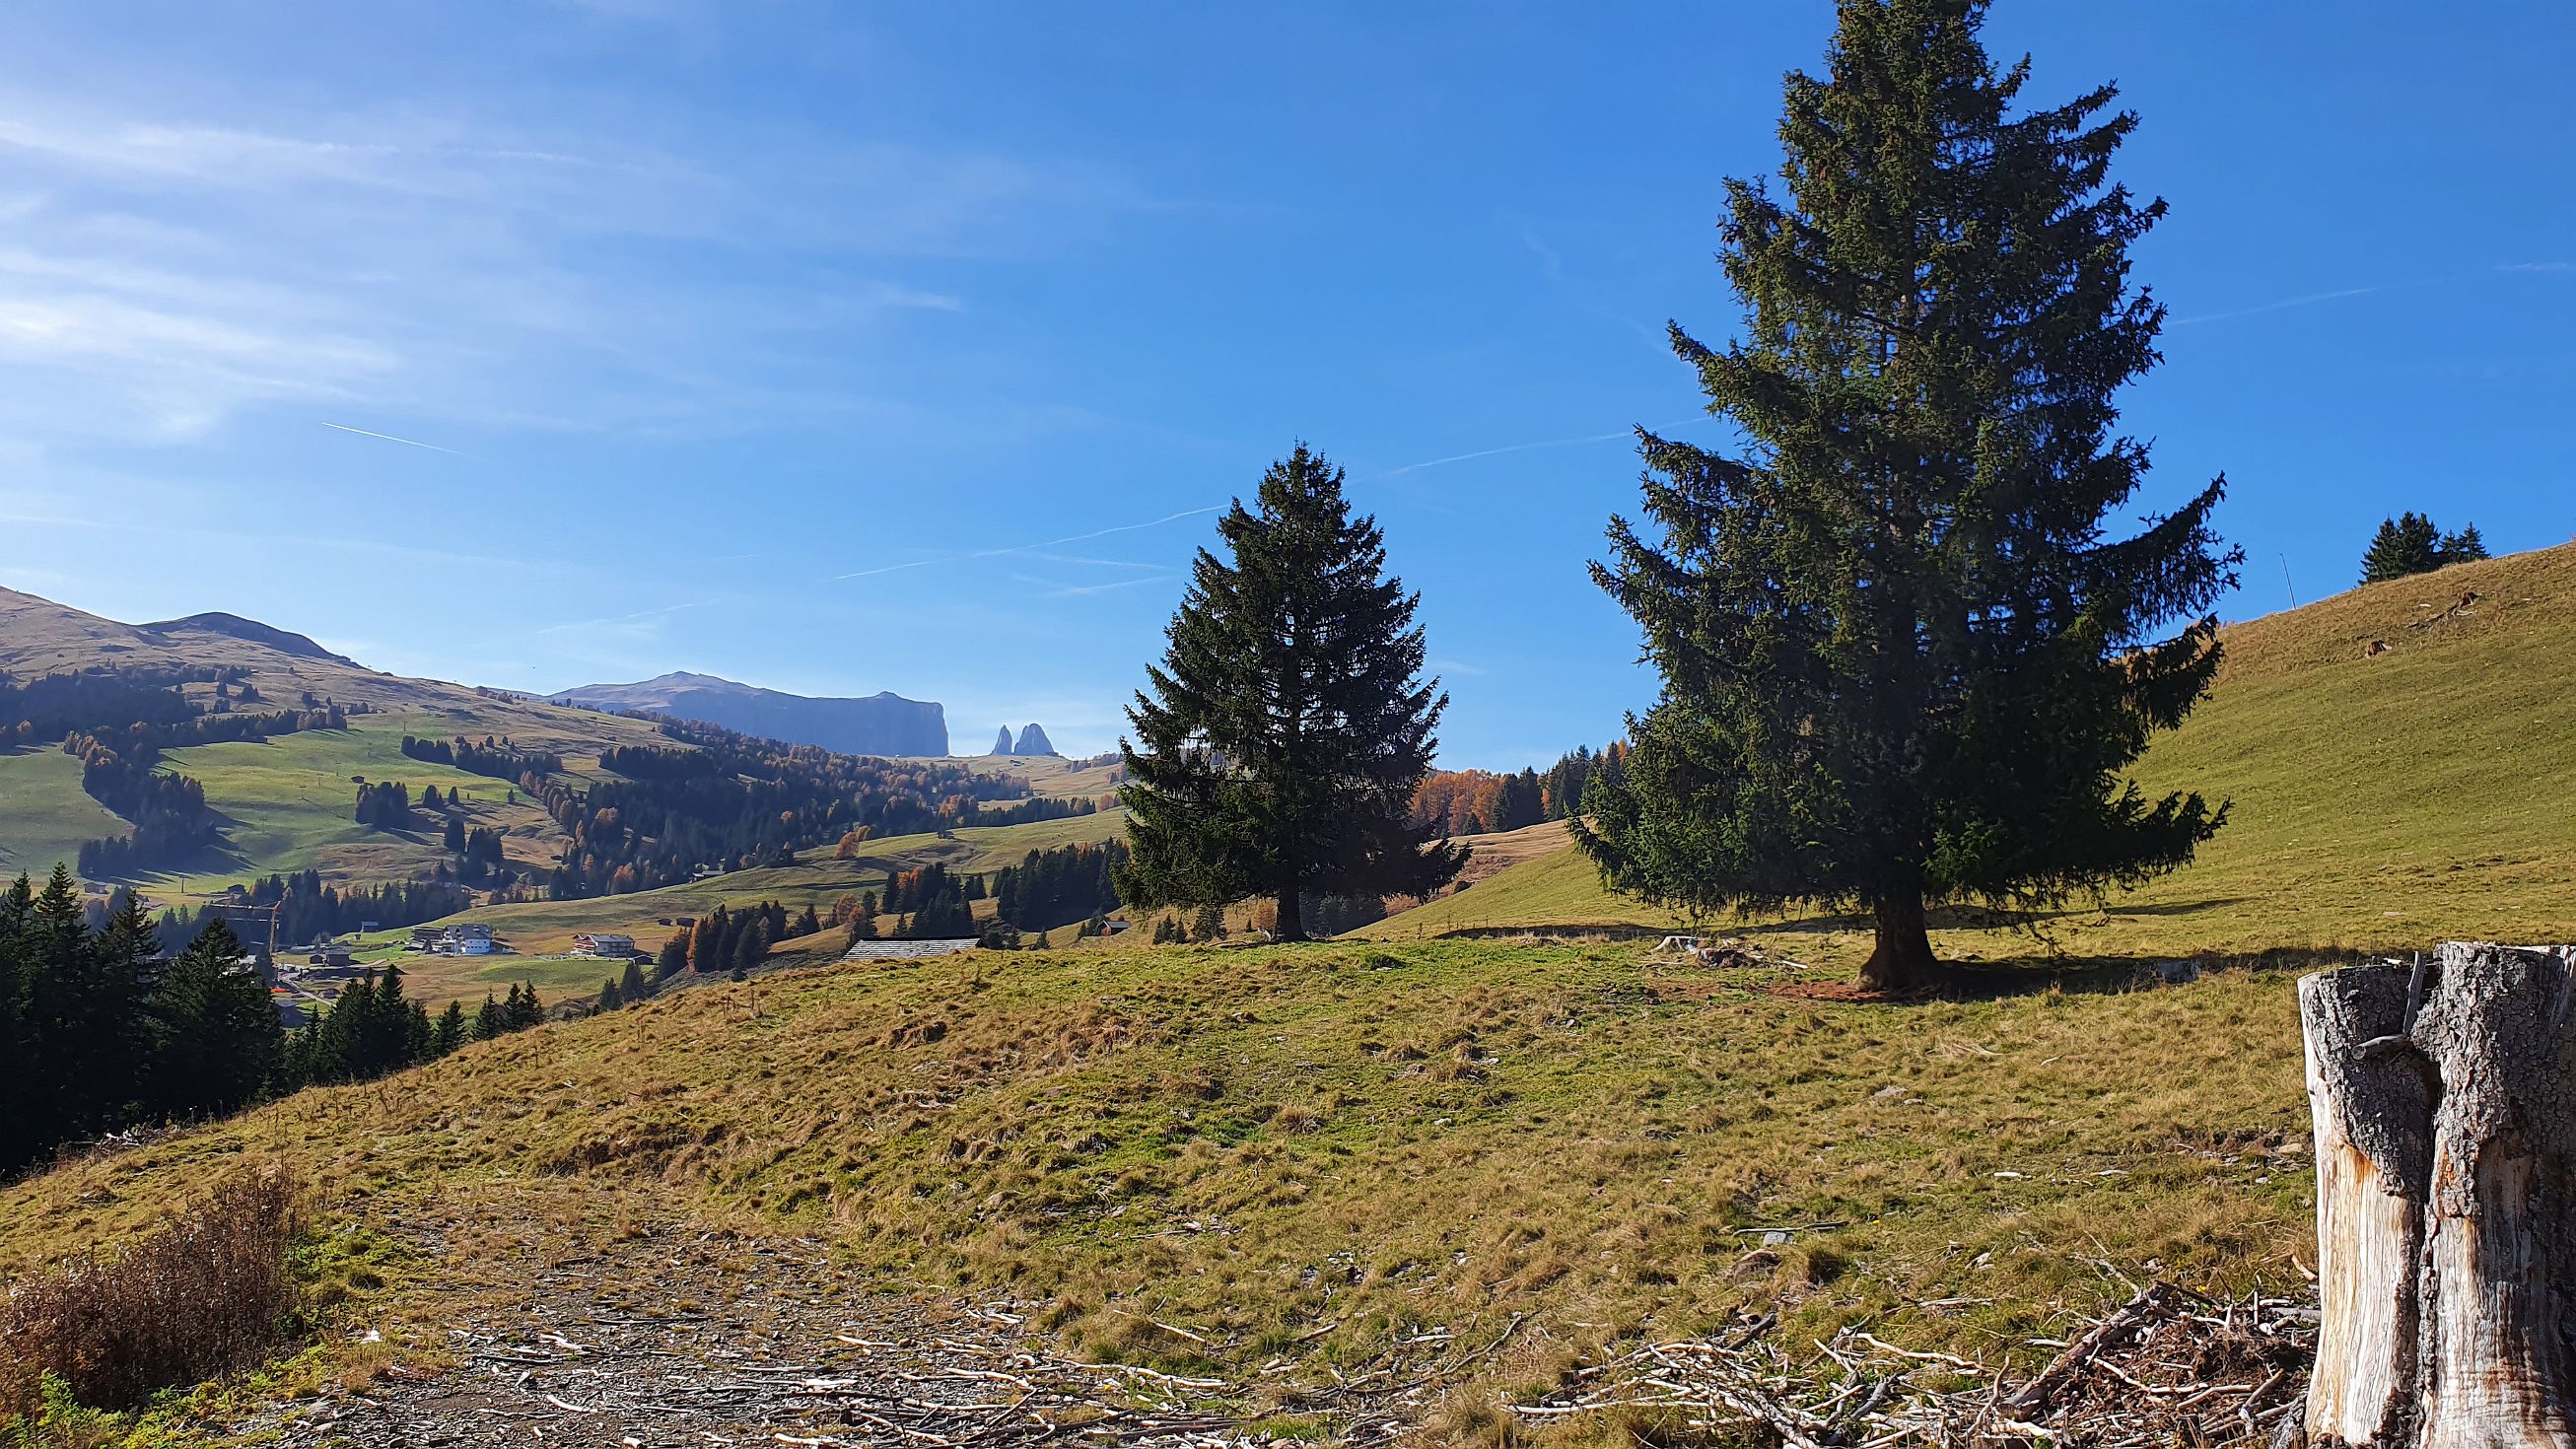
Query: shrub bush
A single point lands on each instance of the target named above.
(207, 1293)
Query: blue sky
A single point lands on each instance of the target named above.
(842, 348)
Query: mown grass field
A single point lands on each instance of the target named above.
(44, 814)
(1312, 1151)
(2378, 802)
(288, 803)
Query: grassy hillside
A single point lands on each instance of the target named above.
(1555, 890)
(2379, 801)
(288, 804)
(535, 928)
(44, 814)
(1278, 1162)
(1306, 1153)
(1049, 774)
(38, 635)
(287, 800)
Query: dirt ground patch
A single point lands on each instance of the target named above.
(674, 1335)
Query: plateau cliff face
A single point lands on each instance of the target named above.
(880, 724)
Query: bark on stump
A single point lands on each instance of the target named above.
(2444, 1097)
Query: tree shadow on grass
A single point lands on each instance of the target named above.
(2162, 908)
(1938, 918)
(2006, 918)
(217, 856)
(2109, 975)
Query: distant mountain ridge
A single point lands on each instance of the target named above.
(879, 724)
(38, 635)
(250, 631)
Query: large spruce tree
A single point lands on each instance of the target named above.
(1288, 725)
(1905, 658)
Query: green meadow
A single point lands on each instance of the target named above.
(288, 801)
(2377, 801)
(44, 814)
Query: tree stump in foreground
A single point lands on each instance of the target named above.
(2445, 1105)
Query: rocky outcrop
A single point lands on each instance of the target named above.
(1033, 741)
(1002, 741)
(880, 724)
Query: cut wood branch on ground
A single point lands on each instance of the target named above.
(2165, 1367)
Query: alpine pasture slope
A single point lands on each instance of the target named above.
(1275, 1164)
(1300, 1158)
(539, 929)
(287, 802)
(44, 814)
(2379, 800)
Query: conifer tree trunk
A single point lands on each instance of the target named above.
(1901, 956)
(1292, 921)
(2444, 1099)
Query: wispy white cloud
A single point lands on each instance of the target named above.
(919, 563)
(1096, 533)
(642, 624)
(1506, 448)
(173, 263)
(303, 547)
(1105, 563)
(1551, 263)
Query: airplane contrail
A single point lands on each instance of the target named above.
(2340, 293)
(1056, 590)
(1531, 447)
(390, 438)
(2287, 303)
(1096, 533)
(1507, 448)
(923, 563)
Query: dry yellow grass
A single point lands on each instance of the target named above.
(1259, 1142)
